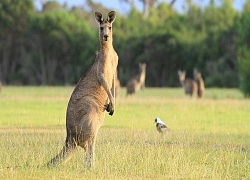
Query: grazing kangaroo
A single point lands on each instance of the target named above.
(201, 86)
(189, 85)
(138, 81)
(93, 94)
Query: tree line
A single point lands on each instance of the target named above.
(57, 45)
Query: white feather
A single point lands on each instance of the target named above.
(158, 120)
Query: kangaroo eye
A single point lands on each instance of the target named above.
(101, 28)
(110, 28)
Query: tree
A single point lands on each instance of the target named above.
(14, 17)
(60, 41)
(243, 41)
(220, 58)
(58, 44)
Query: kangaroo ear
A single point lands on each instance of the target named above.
(98, 17)
(111, 16)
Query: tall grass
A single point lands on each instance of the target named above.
(208, 138)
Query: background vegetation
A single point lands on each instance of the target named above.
(56, 45)
(208, 138)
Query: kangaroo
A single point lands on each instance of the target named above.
(189, 85)
(142, 76)
(93, 94)
(138, 81)
(117, 87)
(201, 86)
(133, 86)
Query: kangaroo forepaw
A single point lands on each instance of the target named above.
(109, 109)
(111, 112)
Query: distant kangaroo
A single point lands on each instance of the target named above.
(142, 76)
(189, 85)
(93, 94)
(138, 81)
(201, 86)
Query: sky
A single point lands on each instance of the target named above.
(123, 7)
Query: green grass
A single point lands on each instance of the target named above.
(208, 139)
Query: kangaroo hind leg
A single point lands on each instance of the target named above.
(65, 153)
(91, 133)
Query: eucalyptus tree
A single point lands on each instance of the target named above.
(243, 44)
(14, 18)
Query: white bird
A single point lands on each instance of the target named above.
(160, 125)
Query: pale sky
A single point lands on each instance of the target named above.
(123, 7)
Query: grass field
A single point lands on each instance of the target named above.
(209, 138)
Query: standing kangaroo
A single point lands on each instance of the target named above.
(117, 87)
(201, 86)
(93, 94)
(138, 81)
(142, 74)
(189, 85)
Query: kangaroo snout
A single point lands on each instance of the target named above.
(105, 37)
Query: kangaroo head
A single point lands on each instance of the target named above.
(105, 26)
(198, 75)
(182, 75)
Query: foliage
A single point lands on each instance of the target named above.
(244, 50)
(58, 37)
(57, 45)
(14, 18)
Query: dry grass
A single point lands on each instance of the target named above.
(208, 138)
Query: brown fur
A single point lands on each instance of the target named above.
(138, 81)
(142, 74)
(133, 86)
(117, 86)
(201, 86)
(189, 85)
(88, 102)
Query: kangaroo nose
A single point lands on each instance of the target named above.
(105, 37)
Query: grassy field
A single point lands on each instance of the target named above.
(209, 138)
